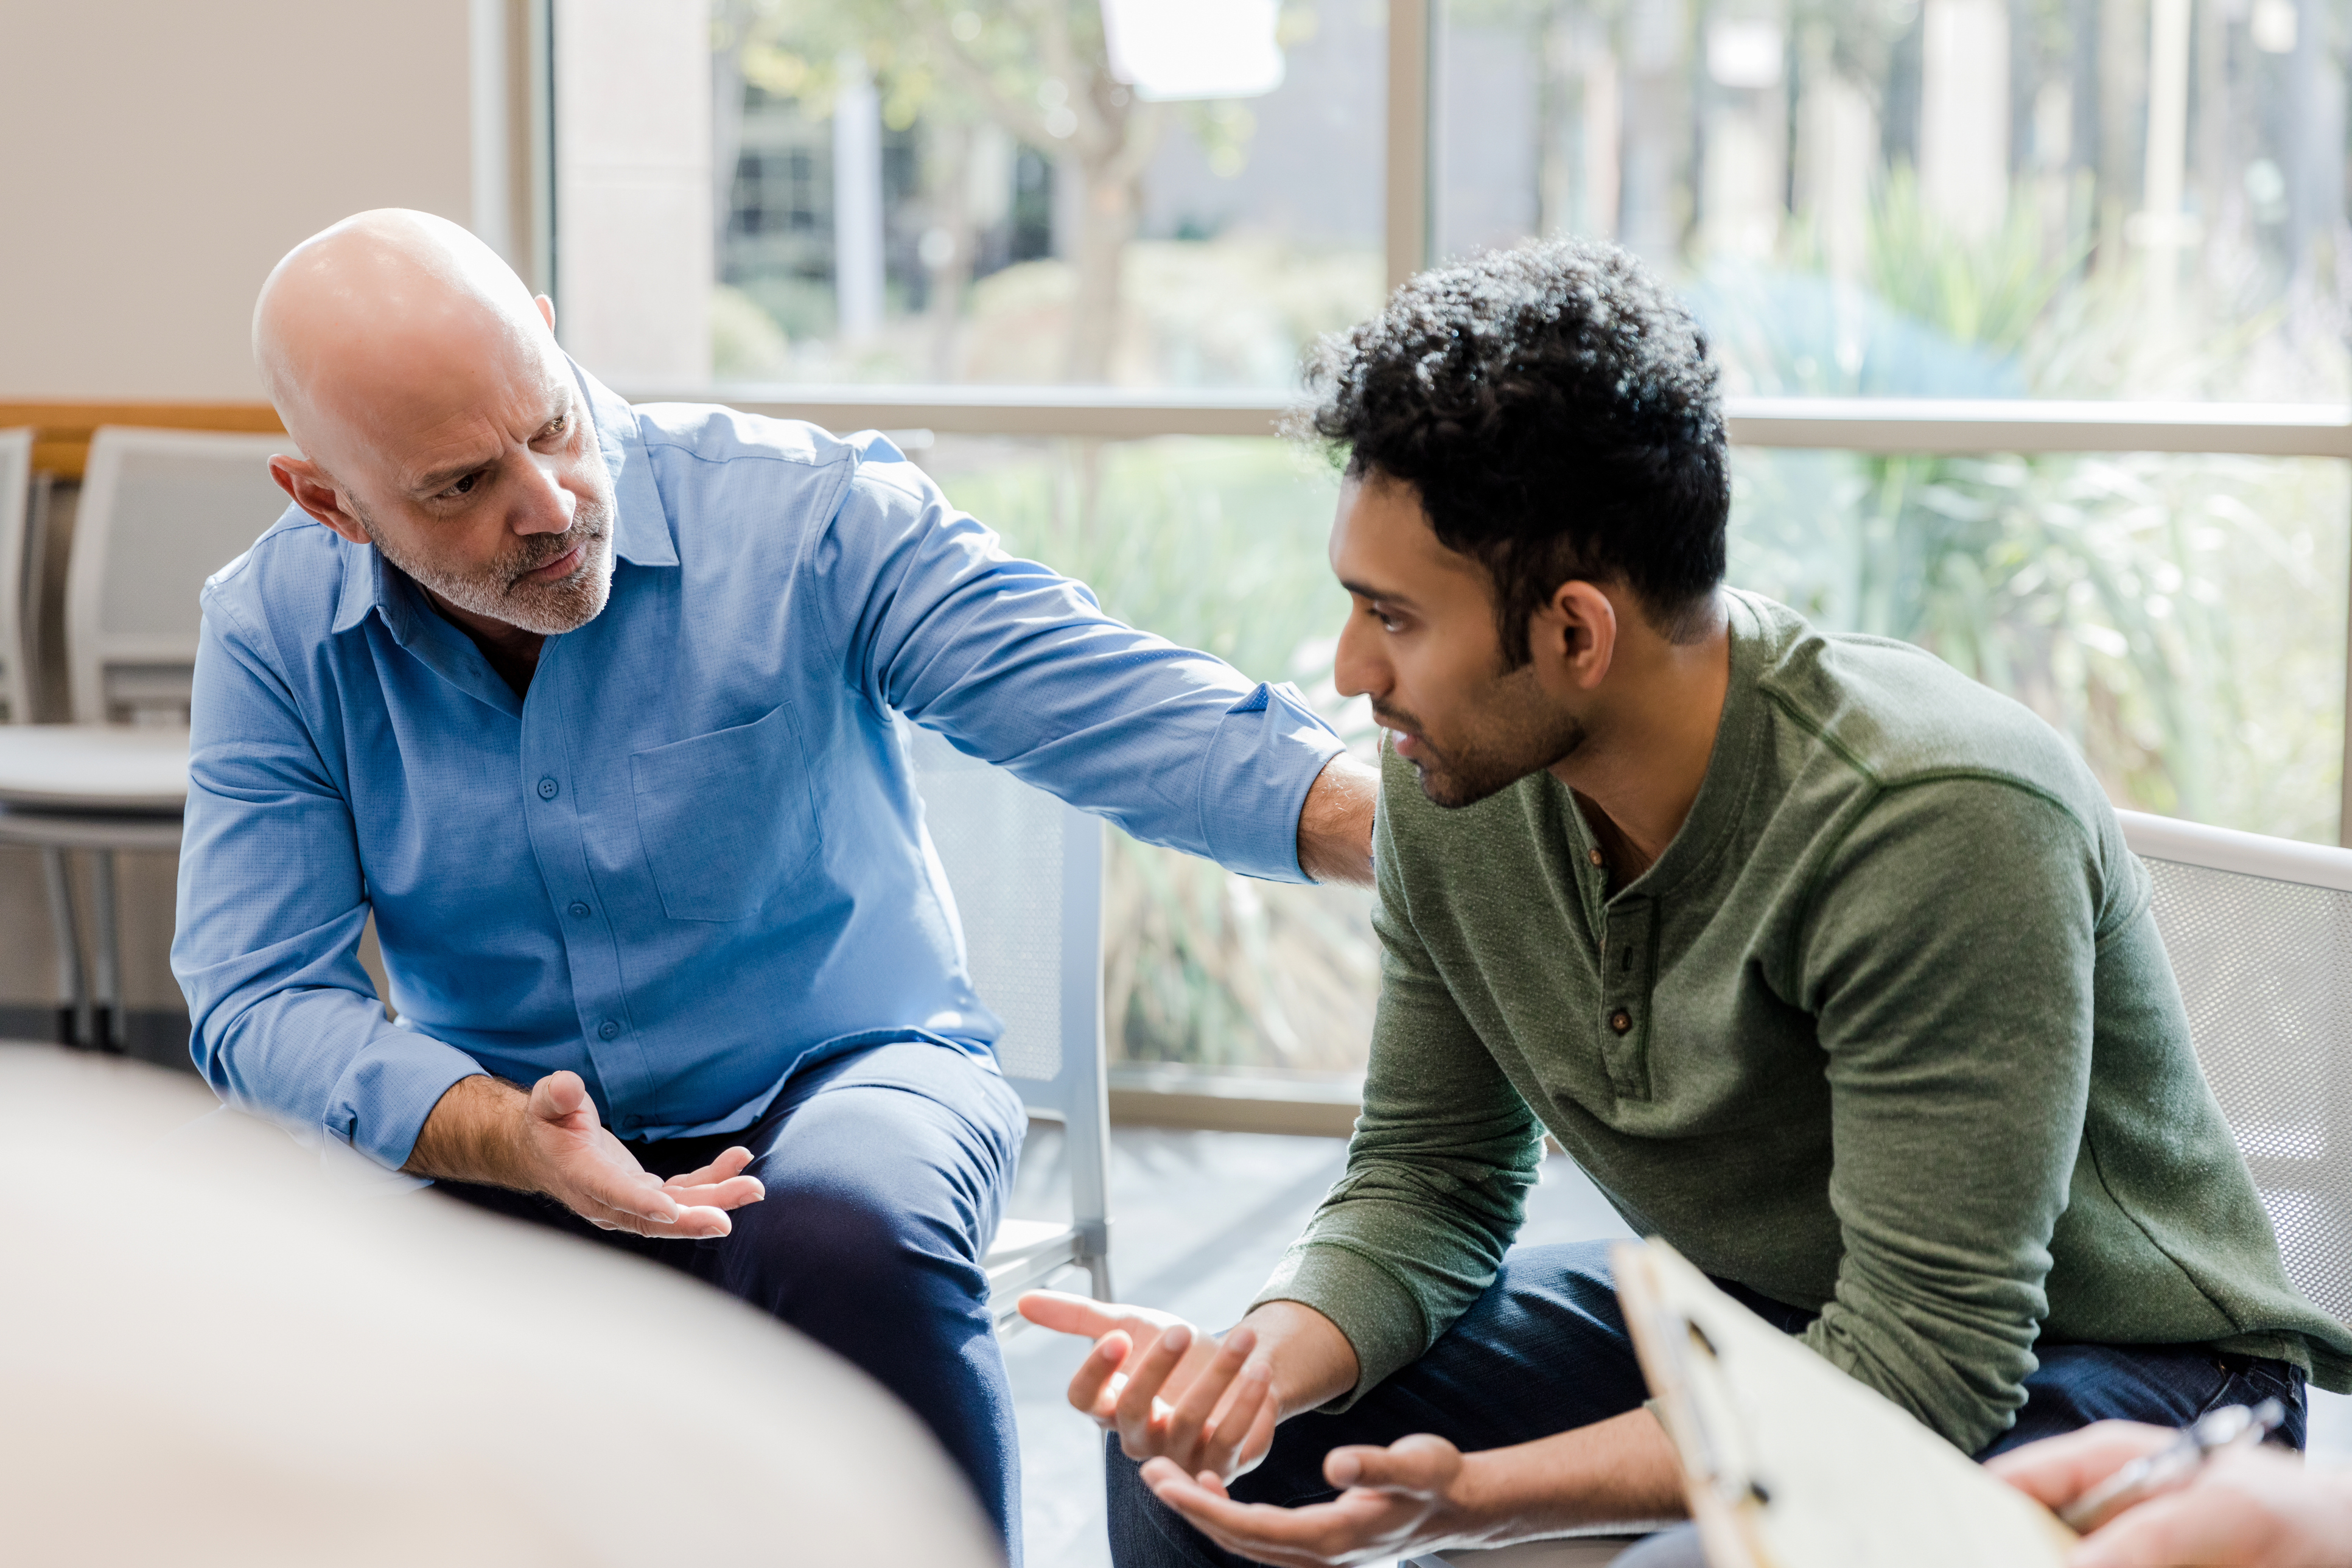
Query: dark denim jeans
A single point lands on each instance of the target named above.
(1545, 1349)
(886, 1171)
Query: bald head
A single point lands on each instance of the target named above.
(437, 418)
(388, 312)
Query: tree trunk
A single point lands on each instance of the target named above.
(1109, 213)
(950, 216)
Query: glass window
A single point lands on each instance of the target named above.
(1217, 544)
(991, 192)
(1984, 198)
(2181, 618)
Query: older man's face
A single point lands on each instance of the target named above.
(491, 491)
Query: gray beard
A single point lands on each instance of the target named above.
(499, 592)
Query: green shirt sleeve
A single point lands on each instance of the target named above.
(1437, 1172)
(1946, 957)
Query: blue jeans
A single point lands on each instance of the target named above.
(886, 1171)
(1545, 1349)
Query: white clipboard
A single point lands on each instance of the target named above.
(1789, 1463)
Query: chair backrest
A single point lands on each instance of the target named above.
(161, 511)
(1027, 873)
(2260, 934)
(15, 512)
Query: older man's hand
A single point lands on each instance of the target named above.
(551, 1141)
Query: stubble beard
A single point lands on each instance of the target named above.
(499, 590)
(1514, 737)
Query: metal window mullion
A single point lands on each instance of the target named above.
(2344, 783)
(1406, 171)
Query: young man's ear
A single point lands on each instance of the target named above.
(312, 491)
(1572, 636)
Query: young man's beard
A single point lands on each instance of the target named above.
(499, 590)
(1503, 745)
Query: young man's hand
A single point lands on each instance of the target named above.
(1172, 1392)
(2257, 1509)
(549, 1142)
(1417, 1494)
(1168, 1390)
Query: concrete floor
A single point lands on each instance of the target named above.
(1199, 1220)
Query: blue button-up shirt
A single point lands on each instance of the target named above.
(691, 857)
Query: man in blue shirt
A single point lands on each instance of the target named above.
(593, 706)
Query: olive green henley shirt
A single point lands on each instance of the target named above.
(1886, 1033)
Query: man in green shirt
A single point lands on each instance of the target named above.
(1827, 964)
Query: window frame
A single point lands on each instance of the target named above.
(1891, 426)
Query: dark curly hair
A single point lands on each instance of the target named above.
(1556, 411)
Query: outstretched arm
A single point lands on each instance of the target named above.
(1019, 666)
(486, 1130)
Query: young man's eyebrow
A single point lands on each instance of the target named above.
(1366, 590)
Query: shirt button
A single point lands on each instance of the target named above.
(579, 908)
(547, 789)
(607, 1030)
(1594, 855)
(1620, 1021)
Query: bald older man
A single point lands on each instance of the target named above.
(592, 707)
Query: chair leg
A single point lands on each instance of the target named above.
(1099, 1276)
(107, 939)
(73, 1002)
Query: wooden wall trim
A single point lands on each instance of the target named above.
(62, 430)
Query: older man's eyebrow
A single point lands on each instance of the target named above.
(1366, 591)
(440, 479)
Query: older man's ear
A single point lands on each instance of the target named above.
(312, 491)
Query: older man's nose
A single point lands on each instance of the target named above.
(551, 503)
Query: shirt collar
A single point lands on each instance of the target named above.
(641, 535)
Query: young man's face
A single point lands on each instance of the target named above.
(1420, 642)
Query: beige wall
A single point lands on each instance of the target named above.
(162, 155)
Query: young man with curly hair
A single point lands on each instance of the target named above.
(1826, 964)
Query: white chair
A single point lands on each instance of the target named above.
(1027, 874)
(160, 510)
(2259, 934)
(17, 516)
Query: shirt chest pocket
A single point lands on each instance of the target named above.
(727, 819)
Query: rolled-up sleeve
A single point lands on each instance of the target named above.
(1017, 665)
(272, 902)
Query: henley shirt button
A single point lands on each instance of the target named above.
(1594, 855)
(607, 1030)
(547, 789)
(578, 908)
(1620, 1021)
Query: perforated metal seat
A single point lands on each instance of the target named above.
(2259, 934)
(1026, 875)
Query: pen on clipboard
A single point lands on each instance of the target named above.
(2231, 1427)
